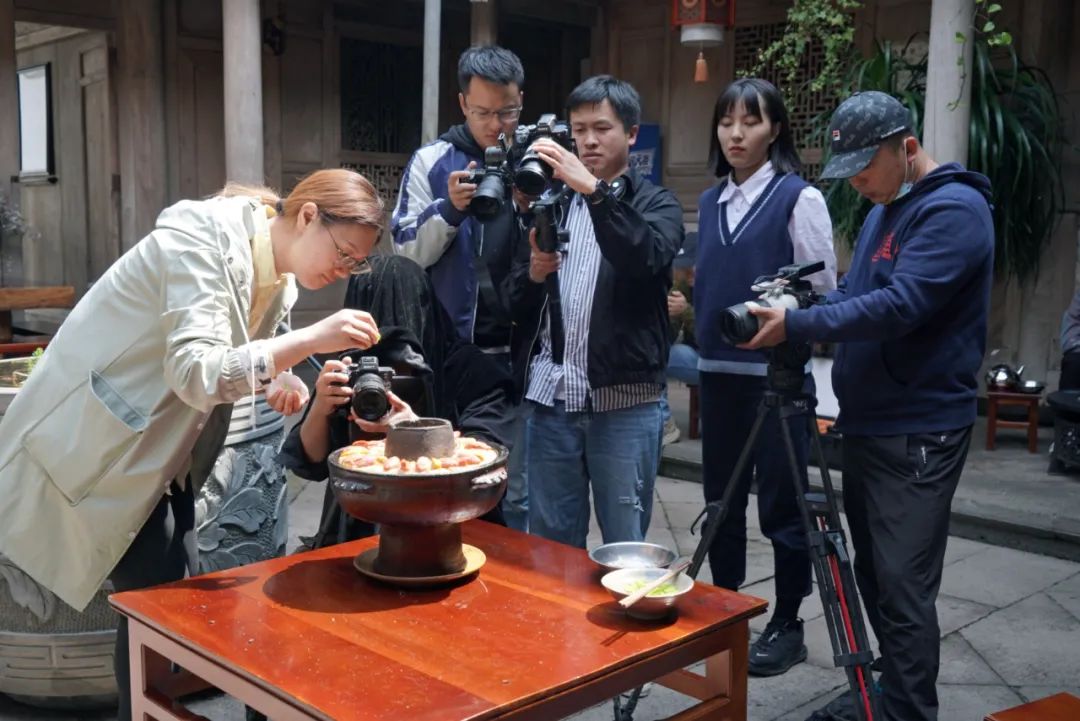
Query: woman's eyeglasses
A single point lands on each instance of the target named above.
(346, 261)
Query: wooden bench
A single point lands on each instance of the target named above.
(994, 399)
(1060, 707)
(12, 299)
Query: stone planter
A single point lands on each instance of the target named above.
(241, 512)
(53, 656)
(50, 654)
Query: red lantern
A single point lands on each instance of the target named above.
(702, 23)
(696, 12)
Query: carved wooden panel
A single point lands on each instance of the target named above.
(804, 107)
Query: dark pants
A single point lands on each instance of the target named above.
(163, 551)
(897, 494)
(729, 404)
(1070, 371)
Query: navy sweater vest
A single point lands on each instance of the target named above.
(730, 259)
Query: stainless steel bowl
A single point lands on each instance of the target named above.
(618, 583)
(632, 554)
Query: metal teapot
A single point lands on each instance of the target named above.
(1002, 377)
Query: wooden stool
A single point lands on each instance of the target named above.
(695, 419)
(1059, 707)
(1004, 398)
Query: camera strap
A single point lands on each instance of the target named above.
(486, 289)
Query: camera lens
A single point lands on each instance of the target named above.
(737, 324)
(532, 175)
(488, 200)
(369, 400)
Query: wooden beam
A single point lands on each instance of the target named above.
(60, 296)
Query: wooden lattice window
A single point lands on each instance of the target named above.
(803, 108)
(385, 175)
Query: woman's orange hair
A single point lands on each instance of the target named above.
(342, 196)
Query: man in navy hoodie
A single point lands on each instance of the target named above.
(910, 321)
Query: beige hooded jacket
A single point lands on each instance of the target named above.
(111, 413)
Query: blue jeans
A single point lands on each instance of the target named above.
(682, 366)
(515, 502)
(615, 452)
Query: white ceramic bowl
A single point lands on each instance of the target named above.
(651, 607)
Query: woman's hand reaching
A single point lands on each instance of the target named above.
(343, 330)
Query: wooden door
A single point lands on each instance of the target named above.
(73, 217)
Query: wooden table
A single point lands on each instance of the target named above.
(1059, 707)
(534, 636)
(994, 399)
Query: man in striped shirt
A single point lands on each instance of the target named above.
(596, 418)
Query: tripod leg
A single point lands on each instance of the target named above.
(716, 511)
(832, 567)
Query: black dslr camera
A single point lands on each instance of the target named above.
(786, 289)
(492, 182)
(369, 382)
(531, 174)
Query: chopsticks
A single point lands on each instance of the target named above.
(652, 586)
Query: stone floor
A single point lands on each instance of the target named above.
(1010, 625)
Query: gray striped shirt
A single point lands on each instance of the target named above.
(569, 382)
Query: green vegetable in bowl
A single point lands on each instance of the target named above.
(664, 589)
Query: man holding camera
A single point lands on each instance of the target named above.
(469, 258)
(595, 411)
(910, 319)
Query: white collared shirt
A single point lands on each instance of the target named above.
(810, 227)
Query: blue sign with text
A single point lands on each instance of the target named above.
(645, 153)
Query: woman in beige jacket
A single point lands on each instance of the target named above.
(103, 448)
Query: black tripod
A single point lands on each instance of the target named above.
(821, 520)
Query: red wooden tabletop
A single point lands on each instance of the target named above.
(533, 622)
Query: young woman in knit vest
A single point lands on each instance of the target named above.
(760, 216)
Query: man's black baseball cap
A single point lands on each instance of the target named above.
(857, 128)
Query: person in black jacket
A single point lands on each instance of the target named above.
(455, 380)
(595, 412)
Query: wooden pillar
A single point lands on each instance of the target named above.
(485, 22)
(141, 117)
(429, 125)
(242, 46)
(948, 92)
(10, 257)
(9, 99)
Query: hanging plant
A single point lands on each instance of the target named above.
(830, 22)
(1015, 139)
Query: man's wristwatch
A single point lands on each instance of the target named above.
(600, 192)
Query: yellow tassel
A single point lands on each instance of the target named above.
(270, 212)
(701, 69)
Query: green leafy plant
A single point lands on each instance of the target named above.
(1015, 140)
(830, 22)
(34, 358)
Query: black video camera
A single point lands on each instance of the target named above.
(786, 289)
(532, 175)
(492, 182)
(369, 382)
